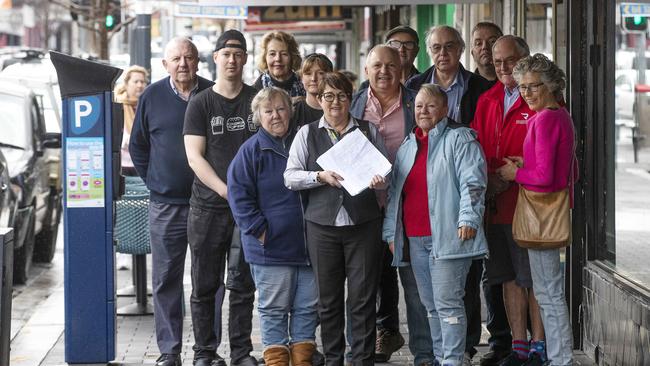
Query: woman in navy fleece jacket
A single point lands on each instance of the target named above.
(269, 216)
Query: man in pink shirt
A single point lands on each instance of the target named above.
(387, 104)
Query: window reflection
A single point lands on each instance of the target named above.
(629, 253)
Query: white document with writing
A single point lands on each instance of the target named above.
(355, 159)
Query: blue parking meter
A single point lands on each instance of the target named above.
(91, 142)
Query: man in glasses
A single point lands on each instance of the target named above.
(445, 46)
(405, 39)
(387, 104)
(484, 35)
(501, 123)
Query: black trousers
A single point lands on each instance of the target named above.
(497, 321)
(353, 253)
(210, 235)
(388, 294)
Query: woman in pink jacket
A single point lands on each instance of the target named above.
(545, 167)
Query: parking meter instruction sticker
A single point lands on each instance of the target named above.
(84, 113)
(84, 172)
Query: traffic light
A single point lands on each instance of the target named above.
(636, 23)
(114, 14)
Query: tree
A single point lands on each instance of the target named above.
(91, 15)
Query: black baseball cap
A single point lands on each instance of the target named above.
(231, 35)
(402, 29)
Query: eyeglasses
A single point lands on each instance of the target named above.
(531, 88)
(449, 47)
(409, 45)
(329, 97)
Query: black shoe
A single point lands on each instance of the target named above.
(218, 360)
(534, 359)
(512, 360)
(246, 361)
(317, 359)
(493, 357)
(203, 361)
(387, 342)
(169, 359)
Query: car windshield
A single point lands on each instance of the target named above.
(12, 121)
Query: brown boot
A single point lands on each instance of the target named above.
(277, 355)
(302, 352)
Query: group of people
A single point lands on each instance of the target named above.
(233, 171)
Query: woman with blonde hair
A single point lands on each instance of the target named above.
(127, 93)
(278, 60)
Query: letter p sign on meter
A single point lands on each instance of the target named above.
(85, 113)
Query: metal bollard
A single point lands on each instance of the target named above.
(6, 288)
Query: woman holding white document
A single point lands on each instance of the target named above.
(342, 230)
(435, 212)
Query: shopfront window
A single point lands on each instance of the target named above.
(628, 250)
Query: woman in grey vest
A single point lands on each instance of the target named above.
(343, 231)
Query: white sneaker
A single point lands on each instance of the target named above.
(123, 261)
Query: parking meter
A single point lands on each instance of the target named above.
(92, 130)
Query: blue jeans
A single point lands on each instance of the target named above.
(441, 284)
(284, 291)
(416, 318)
(548, 284)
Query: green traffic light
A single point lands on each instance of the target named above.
(638, 20)
(110, 21)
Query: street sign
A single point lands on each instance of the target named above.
(628, 10)
(196, 10)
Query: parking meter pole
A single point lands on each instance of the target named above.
(91, 142)
(640, 56)
(6, 287)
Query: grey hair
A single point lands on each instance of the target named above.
(174, 42)
(520, 44)
(393, 51)
(434, 90)
(550, 74)
(265, 95)
(454, 31)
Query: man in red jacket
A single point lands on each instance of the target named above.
(500, 121)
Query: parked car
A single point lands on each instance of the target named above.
(39, 75)
(8, 199)
(24, 142)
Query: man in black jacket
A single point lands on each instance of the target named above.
(445, 46)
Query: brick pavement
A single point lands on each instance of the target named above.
(38, 321)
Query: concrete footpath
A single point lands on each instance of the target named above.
(38, 324)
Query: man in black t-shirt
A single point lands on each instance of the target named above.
(217, 122)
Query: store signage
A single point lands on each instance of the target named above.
(300, 13)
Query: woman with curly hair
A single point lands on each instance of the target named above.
(278, 61)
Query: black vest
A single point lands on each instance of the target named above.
(324, 202)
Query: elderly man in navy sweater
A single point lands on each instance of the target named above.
(156, 148)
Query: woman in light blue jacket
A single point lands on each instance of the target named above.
(435, 216)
